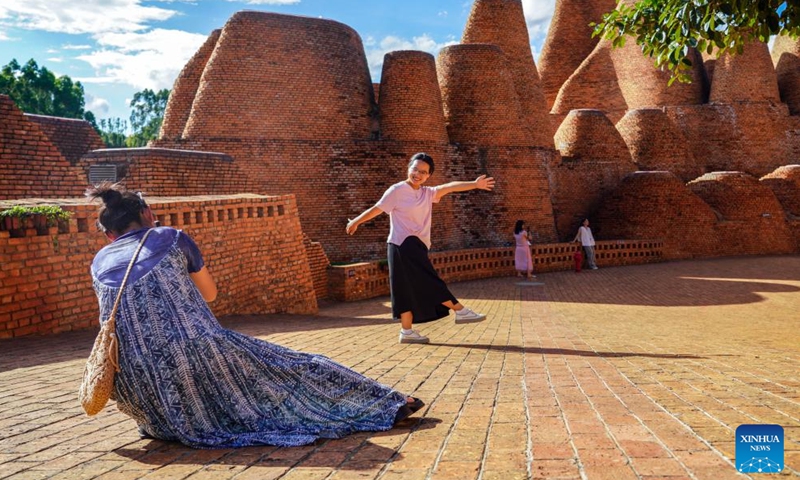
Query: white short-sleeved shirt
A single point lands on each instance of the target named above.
(409, 212)
(587, 240)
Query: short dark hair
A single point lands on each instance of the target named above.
(518, 226)
(423, 157)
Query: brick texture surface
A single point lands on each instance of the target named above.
(30, 165)
(502, 23)
(594, 159)
(638, 372)
(411, 105)
(72, 137)
(252, 245)
(569, 41)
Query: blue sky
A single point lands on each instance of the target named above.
(118, 47)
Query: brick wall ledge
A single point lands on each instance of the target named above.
(159, 152)
(358, 281)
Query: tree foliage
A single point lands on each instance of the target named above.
(114, 132)
(147, 113)
(37, 90)
(666, 30)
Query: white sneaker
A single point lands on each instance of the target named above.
(412, 337)
(465, 315)
(594, 268)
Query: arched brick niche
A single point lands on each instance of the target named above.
(411, 103)
(748, 77)
(594, 159)
(184, 90)
(658, 205)
(502, 23)
(752, 220)
(278, 76)
(786, 59)
(480, 103)
(569, 41)
(655, 144)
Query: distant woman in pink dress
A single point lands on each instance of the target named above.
(523, 262)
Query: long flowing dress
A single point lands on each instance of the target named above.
(185, 378)
(523, 262)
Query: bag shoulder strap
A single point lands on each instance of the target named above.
(112, 316)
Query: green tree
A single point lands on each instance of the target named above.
(37, 90)
(667, 29)
(114, 132)
(147, 113)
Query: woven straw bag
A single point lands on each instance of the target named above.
(103, 362)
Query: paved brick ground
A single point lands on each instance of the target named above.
(621, 373)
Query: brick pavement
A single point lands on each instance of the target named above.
(638, 372)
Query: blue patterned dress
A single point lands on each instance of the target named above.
(185, 378)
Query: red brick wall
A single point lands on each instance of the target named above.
(594, 159)
(655, 143)
(179, 106)
(30, 165)
(594, 85)
(748, 137)
(643, 85)
(162, 172)
(336, 181)
(359, 281)
(71, 137)
(411, 104)
(284, 77)
(479, 108)
(752, 220)
(748, 77)
(252, 245)
(569, 41)
(659, 205)
(502, 23)
(318, 263)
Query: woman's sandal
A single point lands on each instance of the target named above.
(409, 409)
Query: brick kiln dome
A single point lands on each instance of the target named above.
(411, 103)
(588, 134)
(502, 23)
(747, 77)
(480, 103)
(786, 58)
(275, 76)
(179, 106)
(656, 144)
(785, 184)
(659, 205)
(569, 41)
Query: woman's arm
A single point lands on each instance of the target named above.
(365, 216)
(204, 283)
(483, 183)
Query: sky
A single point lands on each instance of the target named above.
(116, 48)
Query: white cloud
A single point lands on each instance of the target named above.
(98, 106)
(81, 17)
(443, 13)
(76, 47)
(55, 59)
(3, 36)
(142, 60)
(377, 50)
(538, 14)
(267, 2)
